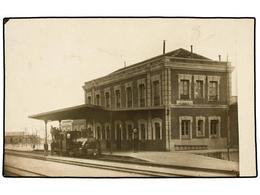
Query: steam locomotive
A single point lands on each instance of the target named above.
(74, 143)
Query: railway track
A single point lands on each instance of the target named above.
(151, 172)
(15, 171)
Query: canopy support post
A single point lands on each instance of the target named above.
(45, 139)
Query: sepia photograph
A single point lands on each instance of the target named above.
(127, 97)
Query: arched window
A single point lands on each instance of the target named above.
(129, 130)
(107, 131)
(142, 129)
(157, 128)
(98, 131)
(118, 130)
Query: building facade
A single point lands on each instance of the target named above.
(175, 101)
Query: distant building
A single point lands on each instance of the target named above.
(21, 138)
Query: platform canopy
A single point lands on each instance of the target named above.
(75, 112)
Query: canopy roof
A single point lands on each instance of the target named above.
(75, 112)
(85, 111)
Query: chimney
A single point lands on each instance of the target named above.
(191, 50)
(219, 58)
(163, 46)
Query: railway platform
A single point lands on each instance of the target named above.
(180, 159)
(183, 160)
(61, 166)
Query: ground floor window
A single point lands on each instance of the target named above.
(129, 130)
(214, 126)
(157, 128)
(98, 132)
(142, 133)
(185, 123)
(107, 131)
(118, 131)
(142, 129)
(157, 131)
(200, 126)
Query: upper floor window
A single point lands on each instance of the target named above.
(184, 89)
(129, 97)
(184, 81)
(156, 93)
(199, 86)
(98, 99)
(118, 98)
(199, 89)
(107, 99)
(213, 88)
(142, 95)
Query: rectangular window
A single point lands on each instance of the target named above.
(185, 128)
(129, 97)
(98, 99)
(156, 93)
(214, 127)
(184, 89)
(142, 95)
(199, 89)
(118, 99)
(200, 127)
(107, 97)
(213, 90)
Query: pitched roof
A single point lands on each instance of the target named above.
(183, 53)
(178, 53)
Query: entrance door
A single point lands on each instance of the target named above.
(157, 135)
(118, 136)
(142, 136)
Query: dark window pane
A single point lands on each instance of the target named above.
(129, 97)
(213, 127)
(142, 131)
(199, 89)
(142, 95)
(156, 93)
(184, 89)
(213, 90)
(157, 131)
(107, 100)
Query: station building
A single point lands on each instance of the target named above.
(175, 101)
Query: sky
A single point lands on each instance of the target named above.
(47, 61)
